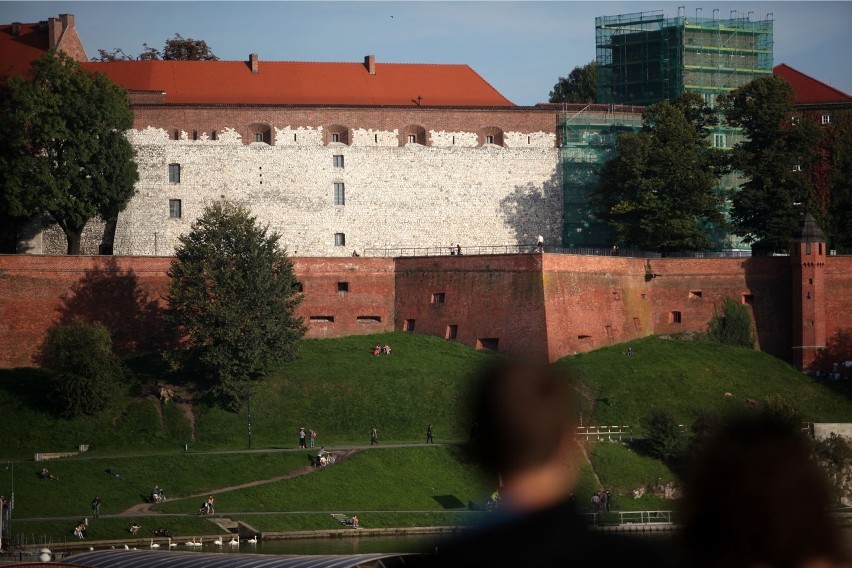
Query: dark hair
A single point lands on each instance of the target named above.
(523, 411)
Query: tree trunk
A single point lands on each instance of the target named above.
(74, 238)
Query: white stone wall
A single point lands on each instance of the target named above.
(411, 196)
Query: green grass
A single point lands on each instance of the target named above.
(324, 521)
(61, 530)
(622, 469)
(686, 377)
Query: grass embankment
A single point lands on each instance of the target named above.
(691, 377)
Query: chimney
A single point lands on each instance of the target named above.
(370, 64)
(253, 63)
(54, 32)
(16, 29)
(67, 21)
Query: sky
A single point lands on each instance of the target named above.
(521, 48)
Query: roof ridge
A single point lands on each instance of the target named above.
(814, 79)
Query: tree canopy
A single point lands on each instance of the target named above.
(232, 298)
(774, 158)
(64, 152)
(580, 86)
(659, 191)
(177, 48)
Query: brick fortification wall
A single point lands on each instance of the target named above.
(542, 306)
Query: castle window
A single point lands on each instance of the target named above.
(674, 317)
(339, 239)
(826, 119)
(213, 135)
(343, 287)
(260, 132)
(748, 299)
(438, 298)
(807, 248)
(335, 137)
(195, 135)
(176, 134)
(412, 134)
(488, 343)
(489, 139)
(339, 194)
(695, 293)
(451, 332)
(258, 136)
(369, 319)
(174, 209)
(412, 139)
(491, 135)
(322, 319)
(174, 173)
(408, 325)
(338, 160)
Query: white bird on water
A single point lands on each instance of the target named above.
(154, 544)
(252, 540)
(218, 541)
(233, 542)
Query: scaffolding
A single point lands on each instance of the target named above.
(645, 57)
(587, 137)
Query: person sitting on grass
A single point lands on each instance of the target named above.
(157, 494)
(162, 532)
(45, 474)
(134, 528)
(80, 530)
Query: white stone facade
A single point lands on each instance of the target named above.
(411, 196)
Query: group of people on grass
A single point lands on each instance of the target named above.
(601, 501)
(381, 350)
(307, 437)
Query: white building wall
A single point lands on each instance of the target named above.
(411, 196)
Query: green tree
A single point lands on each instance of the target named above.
(580, 86)
(233, 298)
(836, 217)
(774, 158)
(666, 439)
(733, 325)
(65, 154)
(87, 372)
(659, 191)
(177, 48)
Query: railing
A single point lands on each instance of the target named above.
(531, 249)
(603, 432)
(627, 518)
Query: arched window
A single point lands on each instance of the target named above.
(412, 134)
(260, 132)
(337, 134)
(491, 135)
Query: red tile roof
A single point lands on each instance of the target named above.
(302, 83)
(18, 50)
(810, 91)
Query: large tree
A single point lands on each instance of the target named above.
(774, 158)
(659, 191)
(64, 151)
(580, 86)
(177, 48)
(232, 298)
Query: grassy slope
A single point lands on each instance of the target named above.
(685, 377)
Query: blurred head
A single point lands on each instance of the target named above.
(525, 417)
(755, 497)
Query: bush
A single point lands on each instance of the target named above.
(666, 439)
(87, 372)
(733, 326)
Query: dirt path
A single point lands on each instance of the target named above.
(589, 461)
(147, 508)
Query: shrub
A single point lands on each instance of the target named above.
(733, 326)
(666, 439)
(87, 372)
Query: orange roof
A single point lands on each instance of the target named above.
(18, 51)
(810, 91)
(303, 83)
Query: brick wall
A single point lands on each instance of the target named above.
(542, 306)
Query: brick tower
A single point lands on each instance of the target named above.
(807, 255)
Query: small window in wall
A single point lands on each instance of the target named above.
(695, 293)
(176, 135)
(343, 286)
(807, 248)
(339, 239)
(826, 119)
(489, 139)
(488, 343)
(174, 209)
(674, 317)
(810, 280)
(820, 248)
(719, 141)
(195, 135)
(322, 319)
(748, 299)
(258, 136)
(337, 160)
(339, 194)
(408, 325)
(213, 135)
(412, 138)
(369, 319)
(335, 137)
(174, 173)
(438, 298)
(797, 167)
(451, 332)
(637, 324)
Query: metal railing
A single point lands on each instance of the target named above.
(395, 252)
(620, 518)
(603, 432)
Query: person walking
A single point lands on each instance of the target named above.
(374, 436)
(96, 507)
(313, 437)
(302, 443)
(429, 439)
